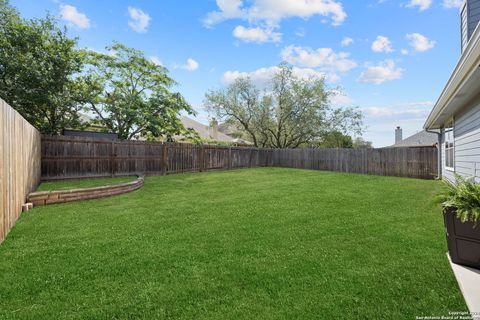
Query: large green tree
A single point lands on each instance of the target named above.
(39, 65)
(130, 95)
(336, 139)
(360, 143)
(290, 112)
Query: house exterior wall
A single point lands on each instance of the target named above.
(467, 144)
(473, 15)
(470, 16)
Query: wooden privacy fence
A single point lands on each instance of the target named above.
(68, 157)
(401, 162)
(19, 165)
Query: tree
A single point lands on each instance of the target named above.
(129, 95)
(359, 143)
(336, 139)
(290, 113)
(39, 65)
(239, 105)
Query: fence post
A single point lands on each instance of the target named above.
(200, 159)
(112, 159)
(229, 164)
(164, 158)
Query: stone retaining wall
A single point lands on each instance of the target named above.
(51, 197)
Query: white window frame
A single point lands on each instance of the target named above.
(449, 145)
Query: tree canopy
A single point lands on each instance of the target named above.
(45, 77)
(360, 143)
(290, 112)
(38, 68)
(336, 139)
(130, 96)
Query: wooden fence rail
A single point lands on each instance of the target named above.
(401, 162)
(68, 157)
(19, 165)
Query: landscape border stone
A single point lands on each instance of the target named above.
(61, 196)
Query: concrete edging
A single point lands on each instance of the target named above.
(52, 197)
(469, 282)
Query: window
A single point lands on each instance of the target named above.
(449, 147)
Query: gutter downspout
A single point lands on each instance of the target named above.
(439, 152)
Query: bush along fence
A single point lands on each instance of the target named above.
(67, 157)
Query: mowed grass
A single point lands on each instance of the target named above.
(87, 183)
(246, 244)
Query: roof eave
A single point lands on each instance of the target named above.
(465, 69)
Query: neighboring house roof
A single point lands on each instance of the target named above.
(420, 139)
(90, 134)
(462, 87)
(84, 118)
(227, 128)
(87, 120)
(205, 132)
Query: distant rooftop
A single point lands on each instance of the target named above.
(209, 132)
(420, 139)
(204, 131)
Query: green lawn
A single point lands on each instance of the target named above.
(89, 183)
(245, 244)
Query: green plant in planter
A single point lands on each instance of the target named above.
(464, 197)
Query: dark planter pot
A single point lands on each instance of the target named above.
(463, 240)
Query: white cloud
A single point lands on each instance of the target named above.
(72, 15)
(258, 35)
(265, 16)
(452, 3)
(300, 33)
(321, 57)
(419, 42)
(139, 20)
(421, 4)
(339, 98)
(382, 44)
(262, 76)
(191, 65)
(271, 12)
(381, 120)
(347, 41)
(404, 110)
(405, 52)
(380, 73)
(156, 60)
(326, 60)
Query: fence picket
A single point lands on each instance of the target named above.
(68, 157)
(19, 165)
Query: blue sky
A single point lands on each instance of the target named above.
(390, 58)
